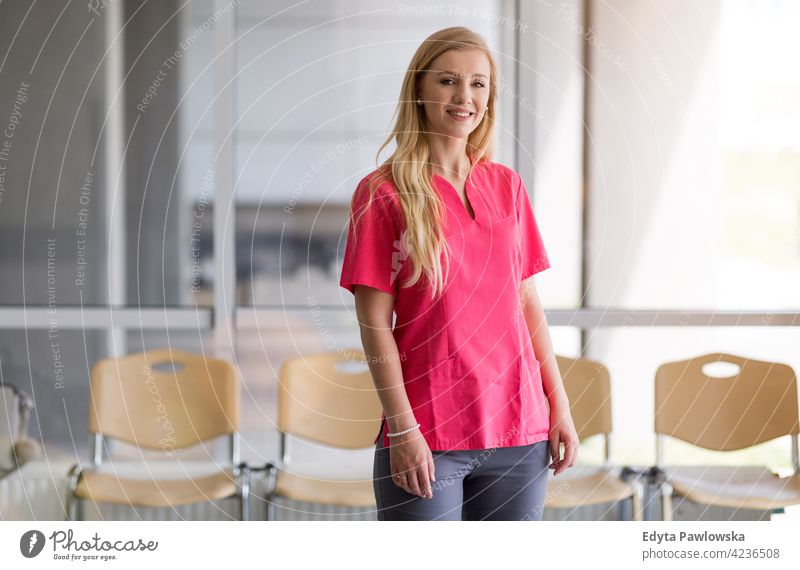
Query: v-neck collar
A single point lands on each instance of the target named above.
(467, 186)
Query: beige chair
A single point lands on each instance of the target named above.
(321, 402)
(16, 448)
(757, 404)
(588, 389)
(162, 400)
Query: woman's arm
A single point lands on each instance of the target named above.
(374, 312)
(542, 344)
(562, 428)
(410, 457)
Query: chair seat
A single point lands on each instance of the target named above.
(762, 493)
(107, 487)
(600, 486)
(315, 489)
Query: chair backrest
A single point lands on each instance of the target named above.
(164, 399)
(321, 399)
(757, 404)
(588, 389)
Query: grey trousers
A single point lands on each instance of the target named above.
(502, 483)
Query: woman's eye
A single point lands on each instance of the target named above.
(450, 81)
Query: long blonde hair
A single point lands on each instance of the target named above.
(409, 165)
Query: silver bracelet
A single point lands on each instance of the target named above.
(405, 431)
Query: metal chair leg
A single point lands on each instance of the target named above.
(73, 500)
(636, 501)
(245, 495)
(633, 476)
(245, 508)
(666, 501)
(657, 477)
(69, 514)
(272, 479)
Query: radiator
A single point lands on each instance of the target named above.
(38, 492)
(291, 510)
(682, 508)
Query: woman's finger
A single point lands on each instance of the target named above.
(564, 463)
(413, 482)
(554, 439)
(429, 480)
(400, 479)
(554, 452)
(569, 458)
(424, 480)
(559, 462)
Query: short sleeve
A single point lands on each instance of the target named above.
(371, 246)
(534, 257)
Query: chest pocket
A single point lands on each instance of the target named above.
(503, 219)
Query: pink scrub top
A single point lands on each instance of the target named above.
(468, 363)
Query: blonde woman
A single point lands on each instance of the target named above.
(446, 239)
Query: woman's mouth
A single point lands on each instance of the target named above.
(460, 116)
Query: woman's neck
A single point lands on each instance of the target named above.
(449, 158)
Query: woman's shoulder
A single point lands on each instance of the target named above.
(379, 179)
(503, 179)
(499, 173)
(380, 187)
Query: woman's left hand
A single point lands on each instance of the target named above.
(562, 430)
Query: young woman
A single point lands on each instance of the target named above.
(446, 239)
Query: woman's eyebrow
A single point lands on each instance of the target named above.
(456, 73)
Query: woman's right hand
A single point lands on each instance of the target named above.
(412, 464)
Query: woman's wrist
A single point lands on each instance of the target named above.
(558, 401)
(400, 422)
(403, 432)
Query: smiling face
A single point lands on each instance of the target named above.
(455, 92)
